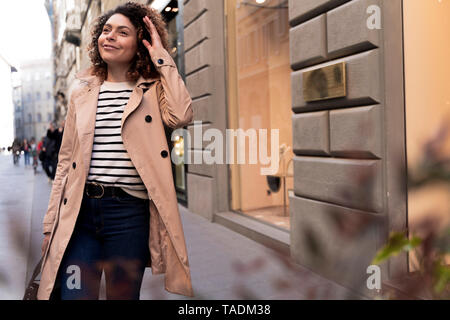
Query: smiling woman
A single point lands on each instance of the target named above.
(113, 204)
(118, 42)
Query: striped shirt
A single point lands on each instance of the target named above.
(110, 163)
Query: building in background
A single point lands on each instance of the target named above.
(19, 130)
(37, 102)
(7, 77)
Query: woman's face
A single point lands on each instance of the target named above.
(117, 43)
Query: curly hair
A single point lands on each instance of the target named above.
(141, 64)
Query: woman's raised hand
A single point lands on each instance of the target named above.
(156, 40)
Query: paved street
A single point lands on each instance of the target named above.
(224, 264)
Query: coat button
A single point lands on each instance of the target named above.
(65, 200)
(74, 165)
(164, 153)
(160, 61)
(148, 118)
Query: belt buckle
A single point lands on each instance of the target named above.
(96, 197)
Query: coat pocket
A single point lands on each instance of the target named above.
(157, 263)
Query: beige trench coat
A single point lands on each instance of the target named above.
(154, 102)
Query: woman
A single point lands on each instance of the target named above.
(113, 204)
(26, 151)
(16, 149)
(34, 154)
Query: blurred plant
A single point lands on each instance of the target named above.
(435, 164)
(426, 239)
(398, 242)
(432, 278)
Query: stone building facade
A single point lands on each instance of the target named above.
(34, 102)
(347, 171)
(348, 152)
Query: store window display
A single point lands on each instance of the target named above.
(259, 70)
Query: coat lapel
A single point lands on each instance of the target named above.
(133, 102)
(86, 109)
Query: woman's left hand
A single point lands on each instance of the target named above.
(156, 40)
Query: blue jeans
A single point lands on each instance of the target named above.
(26, 157)
(110, 234)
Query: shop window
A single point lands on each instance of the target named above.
(260, 98)
(427, 113)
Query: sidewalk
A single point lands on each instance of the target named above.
(17, 188)
(224, 264)
(227, 265)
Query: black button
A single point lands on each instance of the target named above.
(164, 153)
(148, 118)
(65, 200)
(160, 61)
(74, 165)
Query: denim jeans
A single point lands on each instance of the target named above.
(26, 157)
(111, 235)
(49, 165)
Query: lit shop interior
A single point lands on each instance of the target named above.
(259, 81)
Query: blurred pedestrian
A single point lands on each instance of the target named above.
(50, 157)
(40, 152)
(26, 152)
(59, 135)
(16, 147)
(34, 154)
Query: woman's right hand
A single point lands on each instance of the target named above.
(45, 242)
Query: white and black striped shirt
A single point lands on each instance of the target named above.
(110, 163)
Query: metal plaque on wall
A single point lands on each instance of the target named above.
(325, 83)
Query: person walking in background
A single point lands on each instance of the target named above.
(50, 158)
(59, 136)
(34, 154)
(26, 152)
(40, 152)
(16, 148)
(44, 158)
